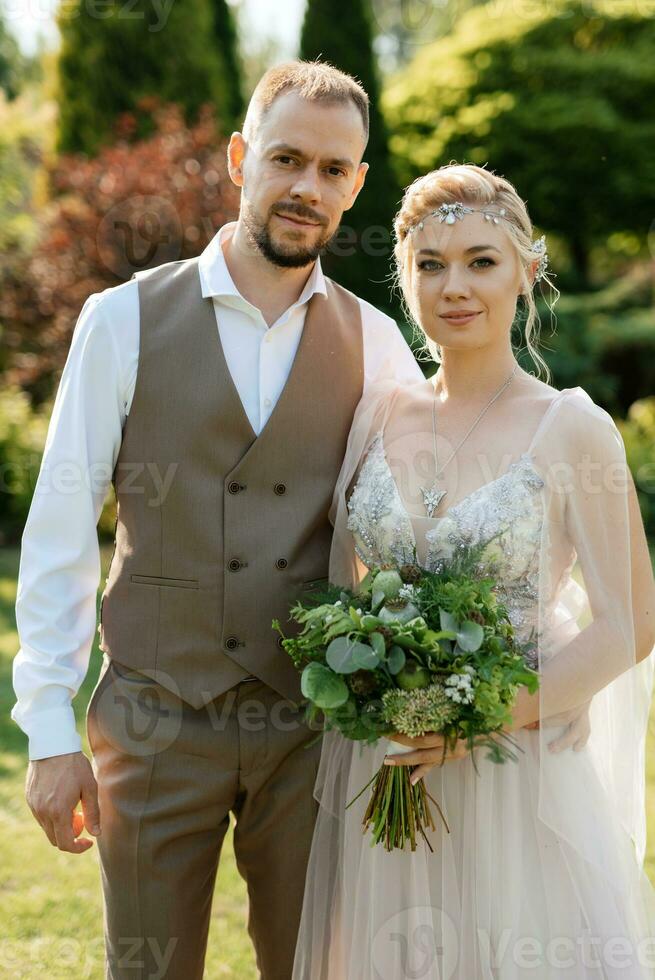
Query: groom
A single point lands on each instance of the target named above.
(218, 394)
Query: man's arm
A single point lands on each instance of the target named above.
(60, 560)
(386, 352)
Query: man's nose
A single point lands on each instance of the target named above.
(306, 186)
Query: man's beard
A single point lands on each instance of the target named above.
(285, 256)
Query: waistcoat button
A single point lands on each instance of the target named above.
(232, 642)
(234, 564)
(279, 489)
(281, 563)
(280, 641)
(234, 487)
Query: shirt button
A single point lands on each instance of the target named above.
(281, 563)
(267, 403)
(279, 489)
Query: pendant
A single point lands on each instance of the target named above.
(432, 498)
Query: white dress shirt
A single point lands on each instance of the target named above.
(59, 570)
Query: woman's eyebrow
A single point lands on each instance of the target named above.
(473, 248)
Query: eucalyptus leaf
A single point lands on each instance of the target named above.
(323, 687)
(396, 659)
(470, 636)
(448, 621)
(377, 642)
(345, 656)
(377, 599)
(365, 657)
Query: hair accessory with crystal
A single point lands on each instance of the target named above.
(450, 213)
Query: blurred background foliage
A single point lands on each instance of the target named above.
(112, 158)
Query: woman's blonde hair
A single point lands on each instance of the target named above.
(476, 187)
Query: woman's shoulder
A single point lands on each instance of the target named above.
(579, 426)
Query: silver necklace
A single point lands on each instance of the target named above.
(432, 496)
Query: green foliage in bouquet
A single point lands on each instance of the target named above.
(412, 652)
(365, 656)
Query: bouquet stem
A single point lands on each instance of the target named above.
(398, 812)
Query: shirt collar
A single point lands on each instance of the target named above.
(216, 280)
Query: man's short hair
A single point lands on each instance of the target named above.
(316, 81)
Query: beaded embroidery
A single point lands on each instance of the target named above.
(508, 510)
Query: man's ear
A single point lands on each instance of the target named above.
(362, 170)
(236, 152)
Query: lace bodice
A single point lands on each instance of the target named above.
(508, 510)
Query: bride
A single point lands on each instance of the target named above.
(541, 874)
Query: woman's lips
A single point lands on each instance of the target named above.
(459, 319)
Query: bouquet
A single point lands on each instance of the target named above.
(411, 652)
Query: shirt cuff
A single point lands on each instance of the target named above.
(50, 733)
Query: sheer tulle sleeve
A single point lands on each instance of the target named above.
(596, 631)
(593, 511)
(371, 415)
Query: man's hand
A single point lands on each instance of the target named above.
(53, 788)
(577, 732)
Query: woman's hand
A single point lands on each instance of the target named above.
(428, 753)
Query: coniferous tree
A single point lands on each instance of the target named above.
(346, 41)
(109, 63)
(225, 32)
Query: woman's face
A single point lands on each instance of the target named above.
(469, 266)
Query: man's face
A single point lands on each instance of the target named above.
(299, 173)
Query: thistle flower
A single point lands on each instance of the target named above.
(417, 712)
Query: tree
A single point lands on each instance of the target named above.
(136, 205)
(360, 258)
(404, 26)
(225, 32)
(12, 63)
(113, 55)
(556, 97)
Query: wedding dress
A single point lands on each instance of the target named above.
(541, 875)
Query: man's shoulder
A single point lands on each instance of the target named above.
(165, 270)
(371, 315)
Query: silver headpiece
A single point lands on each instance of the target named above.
(450, 213)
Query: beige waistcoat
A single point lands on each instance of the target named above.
(218, 531)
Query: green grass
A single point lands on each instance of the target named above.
(50, 901)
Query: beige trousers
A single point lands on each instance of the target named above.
(168, 777)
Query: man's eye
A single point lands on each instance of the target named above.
(284, 159)
(337, 172)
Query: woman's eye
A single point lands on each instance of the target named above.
(429, 265)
